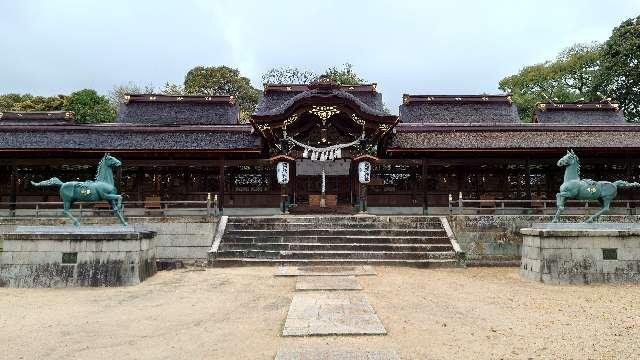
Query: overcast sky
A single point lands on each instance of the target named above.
(416, 47)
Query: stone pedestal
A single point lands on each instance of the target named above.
(581, 253)
(65, 256)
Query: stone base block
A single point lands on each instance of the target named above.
(581, 253)
(62, 256)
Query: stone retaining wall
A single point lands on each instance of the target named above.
(179, 238)
(495, 240)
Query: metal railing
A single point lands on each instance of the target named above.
(129, 208)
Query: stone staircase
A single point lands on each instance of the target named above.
(332, 240)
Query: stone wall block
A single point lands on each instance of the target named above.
(128, 245)
(164, 240)
(58, 245)
(579, 254)
(628, 254)
(6, 258)
(78, 245)
(166, 252)
(199, 228)
(192, 252)
(195, 240)
(87, 256)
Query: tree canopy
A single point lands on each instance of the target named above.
(570, 77)
(28, 102)
(619, 77)
(288, 75)
(223, 80)
(293, 75)
(344, 76)
(89, 107)
(116, 95)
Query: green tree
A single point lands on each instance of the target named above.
(116, 95)
(42, 103)
(223, 80)
(619, 75)
(9, 101)
(172, 89)
(344, 75)
(89, 107)
(570, 77)
(288, 75)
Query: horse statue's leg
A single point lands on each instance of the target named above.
(560, 198)
(605, 202)
(67, 206)
(116, 202)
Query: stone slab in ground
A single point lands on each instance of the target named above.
(328, 283)
(324, 270)
(326, 353)
(331, 314)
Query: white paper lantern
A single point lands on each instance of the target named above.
(364, 172)
(282, 171)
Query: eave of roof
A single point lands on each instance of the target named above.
(38, 115)
(107, 127)
(498, 127)
(578, 106)
(456, 99)
(159, 98)
(458, 137)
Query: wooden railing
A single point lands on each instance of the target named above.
(537, 207)
(129, 208)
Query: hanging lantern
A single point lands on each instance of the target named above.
(305, 153)
(364, 172)
(282, 171)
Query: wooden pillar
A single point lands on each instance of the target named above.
(425, 196)
(292, 182)
(13, 188)
(140, 183)
(528, 174)
(629, 167)
(221, 184)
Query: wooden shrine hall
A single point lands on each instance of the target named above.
(193, 148)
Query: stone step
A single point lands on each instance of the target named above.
(311, 225)
(387, 255)
(334, 220)
(335, 247)
(329, 239)
(340, 262)
(338, 232)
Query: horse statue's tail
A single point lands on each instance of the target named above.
(621, 184)
(54, 181)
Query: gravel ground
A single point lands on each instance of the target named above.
(238, 313)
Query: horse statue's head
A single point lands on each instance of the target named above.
(569, 159)
(110, 161)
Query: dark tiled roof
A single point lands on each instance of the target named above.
(489, 109)
(112, 137)
(36, 118)
(579, 113)
(515, 136)
(164, 110)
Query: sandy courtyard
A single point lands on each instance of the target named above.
(238, 313)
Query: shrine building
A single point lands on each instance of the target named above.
(439, 149)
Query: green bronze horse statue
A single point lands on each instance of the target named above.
(585, 189)
(101, 188)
